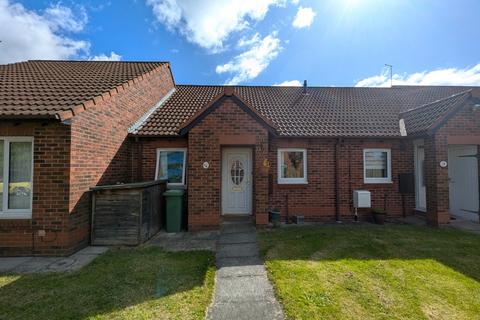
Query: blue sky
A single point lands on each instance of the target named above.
(260, 42)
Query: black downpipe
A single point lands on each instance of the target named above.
(337, 181)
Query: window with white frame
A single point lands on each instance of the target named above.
(292, 165)
(171, 165)
(16, 172)
(377, 166)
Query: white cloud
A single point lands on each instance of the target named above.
(304, 18)
(249, 64)
(246, 42)
(209, 23)
(103, 57)
(289, 83)
(63, 18)
(448, 76)
(42, 35)
(30, 35)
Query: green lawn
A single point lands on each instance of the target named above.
(374, 272)
(144, 283)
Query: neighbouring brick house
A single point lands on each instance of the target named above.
(236, 150)
(73, 119)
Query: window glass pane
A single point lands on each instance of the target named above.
(171, 166)
(292, 166)
(376, 164)
(20, 175)
(2, 143)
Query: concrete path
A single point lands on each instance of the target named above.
(457, 223)
(50, 264)
(186, 241)
(242, 289)
(465, 225)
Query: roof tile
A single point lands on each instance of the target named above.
(323, 111)
(48, 88)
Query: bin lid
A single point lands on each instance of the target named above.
(174, 193)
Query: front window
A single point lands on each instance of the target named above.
(292, 166)
(377, 166)
(16, 162)
(171, 165)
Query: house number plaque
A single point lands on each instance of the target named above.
(206, 165)
(443, 164)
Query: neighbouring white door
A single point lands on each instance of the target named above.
(237, 181)
(463, 181)
(421, 196)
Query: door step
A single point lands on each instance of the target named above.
(237, 219)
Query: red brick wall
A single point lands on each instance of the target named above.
(144, 155)
(463, 128)
(69, 159)
(226, 125)
(100, 149)
(316, 200)
(50, 192)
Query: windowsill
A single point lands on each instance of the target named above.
(292, 182)
(15, 215)
(377, 181)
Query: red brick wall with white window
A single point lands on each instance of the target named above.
(144, 155)
(69, 159)
(51, 155)
(316, 200)
(228, 125)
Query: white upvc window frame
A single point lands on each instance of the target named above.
(388, 179)
(157, 168)
(281, 180)
(6, 213)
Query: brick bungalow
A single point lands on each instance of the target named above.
(69, 122)
(69, 126)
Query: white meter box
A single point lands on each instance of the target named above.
(361, 199)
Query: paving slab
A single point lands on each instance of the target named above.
(237, 250)
(51, 264)
(465, 225)
(246, 311)
(238, 261)
(8, 264)
(241, 271)
(237, 237)
(242, 289)
(236, 228)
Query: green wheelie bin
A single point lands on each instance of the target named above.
(174, 208)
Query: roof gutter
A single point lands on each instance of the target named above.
(29, 117)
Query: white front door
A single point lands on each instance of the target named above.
(463, 181)
(421, 195)
(237, 181)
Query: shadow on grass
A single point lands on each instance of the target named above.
(456, 249)
(131, 283)
(374, 272)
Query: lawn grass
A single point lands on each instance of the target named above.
(374, 272)
(143, 283)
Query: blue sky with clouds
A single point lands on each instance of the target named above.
(259, 42)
